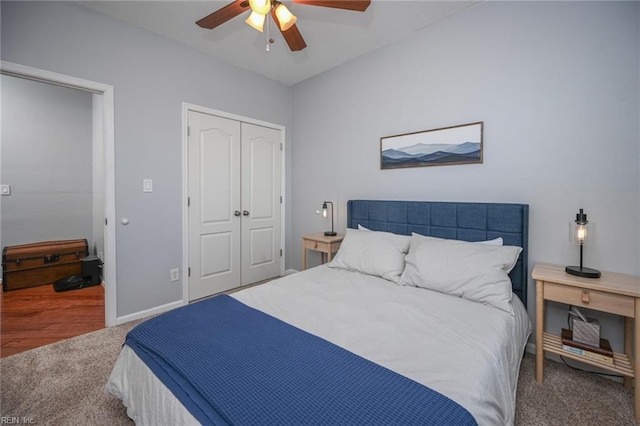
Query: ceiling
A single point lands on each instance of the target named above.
(333, 36)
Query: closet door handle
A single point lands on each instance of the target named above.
(236, 213)
(245, 213)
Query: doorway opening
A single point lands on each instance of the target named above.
(103, 166)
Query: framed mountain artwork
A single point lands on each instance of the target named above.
(461, 144)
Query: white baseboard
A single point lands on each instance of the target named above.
(149, 312)
(290, 271)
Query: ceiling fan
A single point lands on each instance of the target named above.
(281, 15)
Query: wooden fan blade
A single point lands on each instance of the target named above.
(292, 36)
(356, 5)
(221, 16)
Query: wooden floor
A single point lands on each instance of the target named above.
(37, 316)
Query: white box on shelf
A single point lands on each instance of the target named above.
(587, 332)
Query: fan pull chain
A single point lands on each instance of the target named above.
(269, 38)
(268, 32)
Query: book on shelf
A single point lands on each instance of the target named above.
(587, 354)
(604, 349)
(603, 353)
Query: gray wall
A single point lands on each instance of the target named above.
(47, 160)
(152, 77)
(556, 84)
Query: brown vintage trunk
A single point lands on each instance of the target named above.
(30, 265)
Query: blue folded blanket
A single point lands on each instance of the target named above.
(228, 363)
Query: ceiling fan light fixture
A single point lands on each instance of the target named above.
(286, 19)
(256, 20)
(261, 7)
(279, 13)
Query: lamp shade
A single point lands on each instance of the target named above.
(260, 7)
(256, 21)
(580, 233)
(285, 18)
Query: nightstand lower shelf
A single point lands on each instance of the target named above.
(621, 362)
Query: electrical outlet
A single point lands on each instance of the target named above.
(175, 274)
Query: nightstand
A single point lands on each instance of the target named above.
(322, 243)
(614, 293)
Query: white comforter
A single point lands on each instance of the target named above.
(465, 350)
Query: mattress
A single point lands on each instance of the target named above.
(468, 351)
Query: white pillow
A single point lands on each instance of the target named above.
(477, 272)
(373, 253)
(495, 242)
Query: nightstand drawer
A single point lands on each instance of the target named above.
(317, 245)
(591, 299)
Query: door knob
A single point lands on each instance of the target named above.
(245, 213)
(236, 213)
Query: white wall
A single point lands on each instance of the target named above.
(46, 158)
(556, 84)
(151, 77)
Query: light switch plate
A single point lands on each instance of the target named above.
(147, 185)
(6, 189)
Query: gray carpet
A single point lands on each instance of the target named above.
(62, 384)
(570, 397)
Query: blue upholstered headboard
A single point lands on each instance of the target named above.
(458, 221)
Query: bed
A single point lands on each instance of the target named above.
(420, 318)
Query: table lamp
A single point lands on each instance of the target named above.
(324, 214)
(579, 232)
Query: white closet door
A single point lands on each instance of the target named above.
(261, 203)
(214, 192)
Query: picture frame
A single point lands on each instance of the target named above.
(459, 144)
